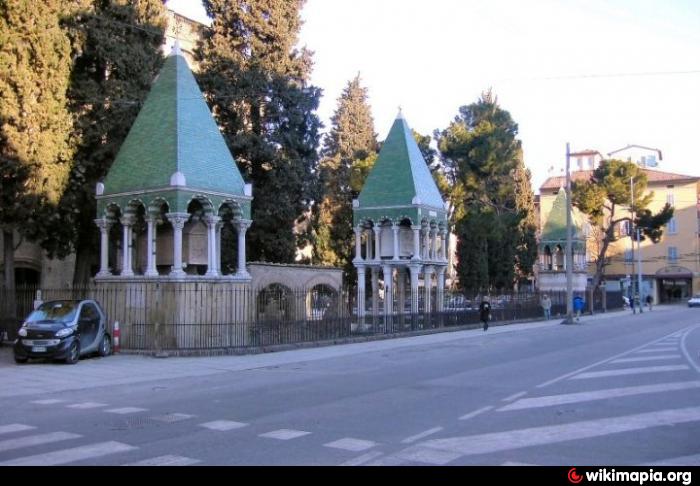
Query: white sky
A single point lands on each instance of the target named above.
(433, 57)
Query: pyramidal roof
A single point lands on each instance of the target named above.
(555, 227)
(400, 176)
(174, 142)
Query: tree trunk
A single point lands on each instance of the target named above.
(8, 238)
(8, 303)
(84, 259)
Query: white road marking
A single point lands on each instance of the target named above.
(510, 463)
(422, 435)
(34, 440)
(647, 358)
(284, 434)
(567, 375)
(49, 401)
(8, 429)
(126, 410)
(71, 455)
(629, 371)
(553, 434)
(684, 348)
(170, 418)
(350, 444)
(598, 395)
(658, 350)
(360, 460)
(514, 396)
(223, 425)
(475, 413)
(166, 461)
(86, 405)
(427, 455)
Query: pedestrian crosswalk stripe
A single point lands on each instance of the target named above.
(422, 435)
(35, 440)
(427, 455)
(589, 396)
(86, 405)
(350, 444)
(167, 460)
(553, 434)
(8, 429)
(222, 425)
(629, 371)
(475, 413)
(647, 358)
(126, 410)
(75, 454)
(284, 434)
(49, 401)
(360, 460)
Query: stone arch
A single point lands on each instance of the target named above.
(276, 302)
(548, 262)
(322, 302)
(558, 257)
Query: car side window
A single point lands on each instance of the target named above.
(89, 312)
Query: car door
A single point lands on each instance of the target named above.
(88, 324)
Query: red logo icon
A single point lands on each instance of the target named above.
(574, 477)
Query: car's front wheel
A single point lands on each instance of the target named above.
(105, 346)
(73, 353)
(20, 360)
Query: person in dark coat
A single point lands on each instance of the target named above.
(485, 312)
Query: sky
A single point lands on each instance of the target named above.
(577, 71)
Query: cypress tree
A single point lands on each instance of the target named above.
(35, 123)
(118, 53)
(257, 82)
(351, 139)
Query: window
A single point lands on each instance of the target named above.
(580, 163)
(624, 228)
(670, 199)
(591, 163)
(672, 226)
(629, 256)
(672, 254)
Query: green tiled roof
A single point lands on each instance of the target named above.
(174, 132)
(400, 177)
(555, 227)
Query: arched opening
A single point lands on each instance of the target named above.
(195, 243)
(322, 302)
(275, 303)
(559, 259)
(137, 212)
(229, 212)
(548, 258)
(113, 214)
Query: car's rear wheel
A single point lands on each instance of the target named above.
(105, 346)
(73, 353)
(20, 360)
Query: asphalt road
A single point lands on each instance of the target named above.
(621, 390)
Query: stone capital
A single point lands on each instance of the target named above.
(178, 220)
(212, 220)
(127, 220)
(243, 224)
(103, 224)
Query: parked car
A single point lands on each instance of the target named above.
(64, 329)
(694, 301)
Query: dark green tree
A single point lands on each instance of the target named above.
(117, 45)
(35, 153)
(257, 82)
(606, 199)
(351, 139)
(482, 173)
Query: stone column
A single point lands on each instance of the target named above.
(358, 243)
(368, 244)
(178, 221)
(242, 226)
(388, 289)
(151, 270)
(127, 267)
(361, 293)
(433, 244)
(217, 262)
(426, 243)
(401, 287)
(415, 270)
(416, 243)
(375, 291)
(377, 243)
(440, 304)
(445, 239)
(395, 229)
(428, 286)
(212, 253)
(104, 225)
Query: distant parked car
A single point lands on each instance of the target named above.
(694, 301)
(64, 329)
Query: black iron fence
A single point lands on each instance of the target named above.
(157, 317)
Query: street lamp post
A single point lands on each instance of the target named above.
(639, 248)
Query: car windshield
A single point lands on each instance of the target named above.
(59, 310)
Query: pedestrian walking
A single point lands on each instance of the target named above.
(650, 302)
(546, 304)
(578, 306)
(485, 312)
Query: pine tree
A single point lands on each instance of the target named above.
(35, 153)
(257, 81)
(488, 187)
(118, 54)
(351, 139)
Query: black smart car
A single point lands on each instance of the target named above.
(63, 329)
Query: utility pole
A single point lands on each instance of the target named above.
(569, 247)
(638, 294)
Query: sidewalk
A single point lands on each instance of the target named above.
(47, 377)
